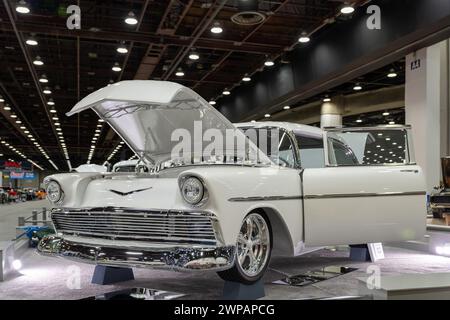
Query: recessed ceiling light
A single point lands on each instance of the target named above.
(267, 115)
(216, 28)
(57, 124)
(386, 114)
(22, 7)
(47, 91)
(116, 67)
(101, 120)
(304, 38)
(38, 61)
(51, 103)
(226, 92)
(357, 87)
(179, 73)
(131, 18)
(13, 116)
(52, 111)
(246, 79)
(122, 50)
(18, 122)
(7, 108)
(286, 107)
(1, 99)
(212, 102)
(347, 9)
(326, 99)
(359, 121)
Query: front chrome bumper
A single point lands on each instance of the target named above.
(172, 257)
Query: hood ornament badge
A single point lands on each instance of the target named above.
(123, 194)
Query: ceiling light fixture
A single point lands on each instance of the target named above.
(392, 74)
(287, 107)
(179, 73)
(216, 28)
(22, 7)
(386, 114)
(51, 102)
(7, 108)
(131, 19)
(31, 42)
(327, 99)
(357, 87)
(347, 9)
(246, 78)
(269, 63)
(194, 55)
(226, 92)
(43, 79)
(122, 49)
(38, 61)
(267, 115)
(116, 67)
(47, 90)
(52, 111)
(359, 121)
(212, 102)
(304, 38)
(1, 99)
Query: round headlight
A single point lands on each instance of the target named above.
(54, 192)
(192, 190)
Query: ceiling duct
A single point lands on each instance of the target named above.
(248, 14)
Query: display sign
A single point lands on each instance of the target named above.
(15, 165)
(376, 251)
(22, 175)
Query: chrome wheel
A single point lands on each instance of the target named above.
(253, 245)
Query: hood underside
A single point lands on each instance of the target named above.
(152, 115)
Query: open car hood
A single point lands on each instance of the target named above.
(146, 113)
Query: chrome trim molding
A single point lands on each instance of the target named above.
(264, 198)
(364, 195)
(179, 258)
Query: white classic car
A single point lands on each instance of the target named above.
(231, 212)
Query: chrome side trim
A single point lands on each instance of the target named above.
(364, 195)
(264, 198)
(172, 257)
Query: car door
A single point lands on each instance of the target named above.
(370, 189)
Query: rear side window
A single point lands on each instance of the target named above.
(311, 151)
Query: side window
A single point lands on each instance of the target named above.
(311, 151)
(340, 154)
(285, 155)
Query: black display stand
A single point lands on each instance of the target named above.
(104, 275)
(360, 253)
(239, 291)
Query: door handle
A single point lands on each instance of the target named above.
(410, 171)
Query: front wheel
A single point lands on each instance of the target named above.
(253, 250)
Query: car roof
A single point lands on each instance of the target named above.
(289, 126)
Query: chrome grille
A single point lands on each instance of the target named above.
(136, 225)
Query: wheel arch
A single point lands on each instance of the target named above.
(282, 244)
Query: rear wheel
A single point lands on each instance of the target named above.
(253, 250)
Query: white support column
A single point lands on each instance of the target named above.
(331, 112)
(426, 100)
